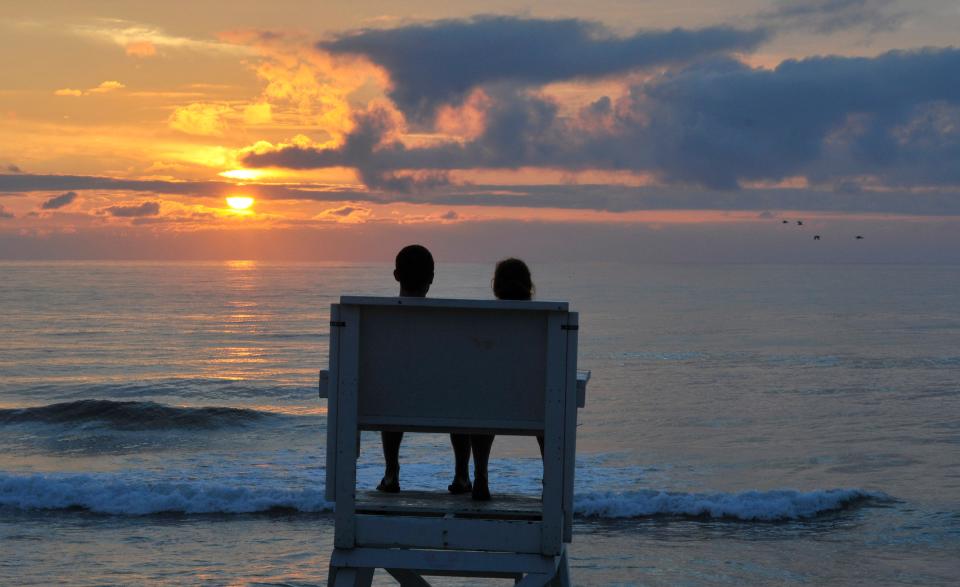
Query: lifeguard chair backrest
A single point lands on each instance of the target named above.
(431, 364)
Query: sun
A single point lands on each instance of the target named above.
(240, 202)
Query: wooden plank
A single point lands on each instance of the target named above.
(437, 503)
(455, 303)
(445, 561)
(330, 490)
(475, 426)
(347, 432)
(448, 533)
(553, 445)
(408, 578)
(570, 423)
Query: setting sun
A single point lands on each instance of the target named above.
(245, 174)
(240, 202)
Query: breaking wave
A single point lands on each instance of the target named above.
(127, 494)
(133, 415)
(776, 505)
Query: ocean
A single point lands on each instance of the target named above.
(744, 425)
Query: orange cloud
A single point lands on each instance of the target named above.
(103, 88)
(140, 49)
(107, 86)
(200, 119)
(258, 113)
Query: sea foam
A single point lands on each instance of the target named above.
(133, 494)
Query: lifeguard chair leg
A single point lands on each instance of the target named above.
(408, 578)
(349, 576)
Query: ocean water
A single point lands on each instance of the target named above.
(758, 425)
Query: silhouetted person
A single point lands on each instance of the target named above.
(414, 271)
(511, 281)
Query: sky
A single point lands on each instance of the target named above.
(642, 131)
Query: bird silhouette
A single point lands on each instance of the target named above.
(816, 237)
(799, 222)
(786, 222)
(859, 237)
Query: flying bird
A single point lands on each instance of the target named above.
(816, 237)
(859, 237)
(799, 222)
(786, 222)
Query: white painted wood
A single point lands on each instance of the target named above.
(452, 365)
(553, 434)
(583, 377)
(429, 562)
(570, 422)
(408, 578)
(323, 388)
(454, 303)
(505, 506)
(347, 429)
(388, 531)
(439, 367)
(330, 490)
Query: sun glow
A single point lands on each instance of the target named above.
(241, 174)
(240, 202)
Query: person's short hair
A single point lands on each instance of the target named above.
(512, 281)
(414, 267)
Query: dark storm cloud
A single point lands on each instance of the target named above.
(134, 210)
(827, 16)
(59, 201)
(440, 62)
(716, 123)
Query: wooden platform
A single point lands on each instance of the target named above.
(435, 503)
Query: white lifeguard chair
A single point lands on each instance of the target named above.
(463, 366)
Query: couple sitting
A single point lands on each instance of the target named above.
(414, 271)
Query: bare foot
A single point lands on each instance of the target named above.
(389, 484)
(460, 485)
(480, 492)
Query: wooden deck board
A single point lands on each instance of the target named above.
(440, 503)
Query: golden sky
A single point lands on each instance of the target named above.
(360, 125)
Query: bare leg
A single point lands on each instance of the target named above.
(391, 456)
(461, 452)
(481, 443)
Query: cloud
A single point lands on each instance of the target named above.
(140, 49)
(103, 88)
(441, 62)
(828, 16)
(350, 214)
(4, 214)
(134, 210)
(136, 39)
(107, 86)
(200, 119)
(59, 201)
(608, 198)
(11, 168)
(257, 113)
(891, 120)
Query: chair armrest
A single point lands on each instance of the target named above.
(582, 378)
(324, 382)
